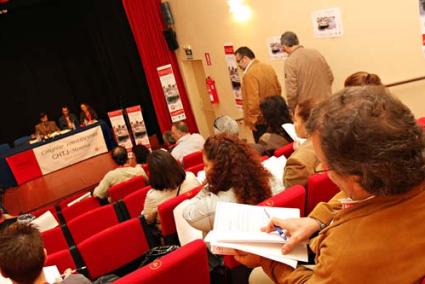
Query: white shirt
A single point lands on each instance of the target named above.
(186, 145)
(116, 176)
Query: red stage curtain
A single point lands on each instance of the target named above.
(146, 24)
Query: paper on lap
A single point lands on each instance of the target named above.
(237, 226)
(186, 233)
(45, 222)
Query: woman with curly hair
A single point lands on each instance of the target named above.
(234, 174)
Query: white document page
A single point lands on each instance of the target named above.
(45, 222)
(276, 167)
(240, 222)
(290, 129)
(185, 231)
(51, 273)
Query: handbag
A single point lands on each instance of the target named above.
(157, 252)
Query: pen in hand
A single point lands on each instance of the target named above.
(277, 228)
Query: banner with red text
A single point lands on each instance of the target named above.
(70, 150)
(422, 20)
(171, 93)
(138, 126)
(232, 68)
(120, 128)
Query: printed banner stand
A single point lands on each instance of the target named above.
(120, 128)
(235, 79)
(422, 20)
(138, 126)
(171, 93)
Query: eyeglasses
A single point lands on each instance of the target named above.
(239, 60)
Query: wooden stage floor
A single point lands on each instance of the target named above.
(55, 186)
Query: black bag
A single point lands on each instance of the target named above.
(157, 252)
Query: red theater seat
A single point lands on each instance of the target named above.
(124, 188)
(319, 188)
(54, 240)
(293, 197)
(188, 264)
(92, 222)
(113, 248)
(165, 212)
(192, 159)
(286, 150)
(135, 201)
(195, 169)
(81, 207)
(62, 259)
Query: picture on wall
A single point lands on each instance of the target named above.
(275, 49)
(327, 23)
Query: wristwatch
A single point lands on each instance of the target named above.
(321, 224)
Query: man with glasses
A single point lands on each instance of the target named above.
(259, 81)
(373, 150)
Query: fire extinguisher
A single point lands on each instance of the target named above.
(212, 91)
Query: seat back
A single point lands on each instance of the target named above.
(188, 264)
(113, 248)
(293, 197)
(286, 150)
(124, 188)
(92, 222)
(192, 159)
(62, 259)
(54, 240)
(421, 122)
(135, 201)
(319, 188)
(81, 207)
(22, 141)
(165, 211)
(195, 169)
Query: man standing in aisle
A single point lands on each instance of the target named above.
(307, 74)
(259, 81)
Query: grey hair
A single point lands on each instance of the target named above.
(226, 124)
(289, 39)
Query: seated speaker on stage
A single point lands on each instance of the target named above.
(45, 127)
(123, 172)
(67, 120)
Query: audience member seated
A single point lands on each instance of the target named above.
(141, 153)
(68, 120)
(362, 79)
(303, 162)
(169, 141)
(234, 174)
(22, 256)
(45, 127)
(168, 180)
(226, 124)
(362, 135)
(275, 113)
(87, 115)
(124, 172)
(186, 143)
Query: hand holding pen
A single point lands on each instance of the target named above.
(296, 230)
(276, 227)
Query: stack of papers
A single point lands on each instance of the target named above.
(237, 226)
(276, 167)
(45, 222)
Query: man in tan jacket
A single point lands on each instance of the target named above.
(307, 74)
(259, 81)
(372, 148)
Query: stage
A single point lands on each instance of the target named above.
(55, 186)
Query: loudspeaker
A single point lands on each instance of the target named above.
(166, 13)
(171, 39)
